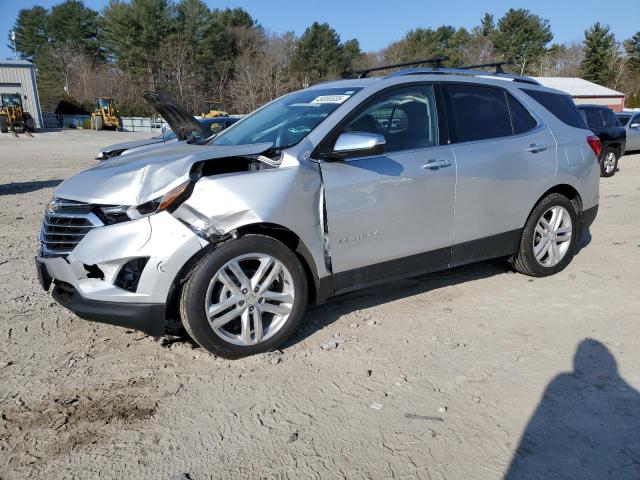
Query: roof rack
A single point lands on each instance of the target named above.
(464, 71)
(496, 65)
(436, 62)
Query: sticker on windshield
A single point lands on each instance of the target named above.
(330, 99)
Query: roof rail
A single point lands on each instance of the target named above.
(464, 71)
(435, 61)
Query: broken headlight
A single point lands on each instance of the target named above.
(171, 200)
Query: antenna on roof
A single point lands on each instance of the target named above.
(436, 62)
(496, 65)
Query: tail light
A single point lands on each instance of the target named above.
(595, 144)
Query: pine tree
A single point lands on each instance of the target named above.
(521, 37)
(632, 46)
(599, 45)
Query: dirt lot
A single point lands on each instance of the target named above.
(431, 378)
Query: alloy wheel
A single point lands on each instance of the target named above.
(552, 236)
(249, 299)
(609, 162)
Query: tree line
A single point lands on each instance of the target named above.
(193, 53)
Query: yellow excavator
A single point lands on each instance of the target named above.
(213, 108)
(13, 117)
(105, 115)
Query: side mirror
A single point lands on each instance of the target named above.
(634, 125)
(356, 144)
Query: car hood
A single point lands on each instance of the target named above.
(140, 177)
(127, 145)
(180, 121)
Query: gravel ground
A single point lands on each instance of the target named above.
(464, 374)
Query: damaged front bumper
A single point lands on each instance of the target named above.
(122, 274)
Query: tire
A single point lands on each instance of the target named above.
(205, 289)
(30, 124)
(99, 124)
(4, 126)
(609, 162)
(532, 240)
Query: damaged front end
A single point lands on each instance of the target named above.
(148, 217)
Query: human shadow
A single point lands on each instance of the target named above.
(26, 187)
(587, 425)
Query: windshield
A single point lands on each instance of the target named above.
(214, 106)
(11, 100)
(104, 102)
(624, 119)
(287, 120)
(168, 134)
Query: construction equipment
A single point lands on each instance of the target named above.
(105, 115)
(213, 108)
(12, 116)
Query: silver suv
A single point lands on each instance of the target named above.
(323, 191)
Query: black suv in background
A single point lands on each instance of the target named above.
(604, 123)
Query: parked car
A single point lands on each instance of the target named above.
(323, 191)
(604, 123)
(189, 127)
(631, 123)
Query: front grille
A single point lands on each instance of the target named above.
(65, 223)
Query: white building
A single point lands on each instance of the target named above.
(585, 92)
(19, 76)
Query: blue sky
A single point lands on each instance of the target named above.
(376, 23)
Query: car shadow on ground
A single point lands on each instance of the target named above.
(27, 187)
(318, 317)
(587, 425)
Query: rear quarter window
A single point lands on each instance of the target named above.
(520, 116)
(561, 106)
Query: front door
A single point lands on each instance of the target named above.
(392, 214)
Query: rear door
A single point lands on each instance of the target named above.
(391, 214)
(504, 158)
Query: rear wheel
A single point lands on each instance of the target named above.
(609, 162)
(245, 297)
(4, 125)
(549, 237)
(30, 124)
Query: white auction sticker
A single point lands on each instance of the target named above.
(330, 99)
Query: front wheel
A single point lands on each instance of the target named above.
(609, 163)
(549, 237)
(245, 297)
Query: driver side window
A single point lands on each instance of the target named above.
(406, 117)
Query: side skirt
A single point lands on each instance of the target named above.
(494, 246)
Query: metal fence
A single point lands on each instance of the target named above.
(129, 124)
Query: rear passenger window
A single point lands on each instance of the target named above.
(480, 112)
(561, 106)
(520, 117)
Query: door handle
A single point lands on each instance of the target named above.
(536, 147)
(436, 164)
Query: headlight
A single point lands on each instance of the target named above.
(171, 200)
